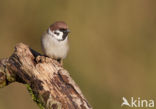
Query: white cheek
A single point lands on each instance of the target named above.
(60, 36)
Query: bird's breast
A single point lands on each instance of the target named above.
(53, 48)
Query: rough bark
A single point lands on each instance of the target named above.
(48, 82)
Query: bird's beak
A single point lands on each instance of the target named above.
(68, 31)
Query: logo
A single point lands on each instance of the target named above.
(137, 102)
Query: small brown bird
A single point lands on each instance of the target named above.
(55, 41)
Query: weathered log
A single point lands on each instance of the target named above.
(48, 82)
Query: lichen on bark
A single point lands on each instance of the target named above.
(35, 98)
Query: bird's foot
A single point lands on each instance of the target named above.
(60, 61)
(43, 59)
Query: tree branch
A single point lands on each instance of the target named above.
(49, 84)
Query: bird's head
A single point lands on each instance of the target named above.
(59, 30)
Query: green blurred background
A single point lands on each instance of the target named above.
(112, 46)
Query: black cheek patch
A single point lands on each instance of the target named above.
(56, 33)
(64, 35)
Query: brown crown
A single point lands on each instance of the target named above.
(58, 25)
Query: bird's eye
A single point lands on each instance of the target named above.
(56, 33)
(62, 29)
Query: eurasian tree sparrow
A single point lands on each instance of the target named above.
(55, 41)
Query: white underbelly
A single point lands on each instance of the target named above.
(56, 52)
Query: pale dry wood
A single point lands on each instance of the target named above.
(49, 83)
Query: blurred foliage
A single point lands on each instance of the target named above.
(112, 46)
